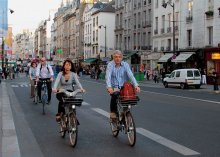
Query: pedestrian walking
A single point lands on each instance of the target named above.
(215, 78)
(203, 73)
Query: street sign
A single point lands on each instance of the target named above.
(59, 51)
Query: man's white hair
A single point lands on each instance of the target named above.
(118, 52)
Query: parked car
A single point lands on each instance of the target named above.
(183, 78)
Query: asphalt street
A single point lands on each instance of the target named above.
(170, 122)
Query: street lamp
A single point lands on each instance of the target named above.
(105, 36)
(164, 4)
(3, 44)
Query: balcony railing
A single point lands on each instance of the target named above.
(189, 19)
(209, 14)
(168, 48)
(168, 29)
(162, 48)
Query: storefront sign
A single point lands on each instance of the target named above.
(215, 55)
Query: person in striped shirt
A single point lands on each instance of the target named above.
(117, 73)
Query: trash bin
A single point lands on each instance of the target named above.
(137, 76)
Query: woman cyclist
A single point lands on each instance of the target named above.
(32, 76)
(66, 79)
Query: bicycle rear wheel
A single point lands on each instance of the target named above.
(131, 129)
(62, 127)
(114, 127)
(73, 129)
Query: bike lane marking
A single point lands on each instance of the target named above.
(157, 138)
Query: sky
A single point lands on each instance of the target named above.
(29, 13)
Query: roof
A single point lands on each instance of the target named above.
(108, 8)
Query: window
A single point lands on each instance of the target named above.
(169, 19)
(156, 20)
(172, 74)
(196, 73)
(178, 74)
(211, 5)
(210, 35)
(190, 8)
(156, 5)
(189, 73)
(163, 21)
(97, 21)
(189, 37)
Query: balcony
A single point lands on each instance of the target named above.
(168, 48)
(176, 28)
(156, 31)
(144, 47)
(189, 19)
(168, 29)
(209, 14)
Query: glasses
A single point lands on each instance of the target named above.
(42, 60)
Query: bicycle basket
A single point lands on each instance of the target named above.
(125, 101)
(73, 100)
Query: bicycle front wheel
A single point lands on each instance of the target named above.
(73, 129)
(35, 97)
(114, 127)
(131, 129)
(62, 127)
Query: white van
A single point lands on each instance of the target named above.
(183, 78)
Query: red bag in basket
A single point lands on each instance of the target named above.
(128, 92)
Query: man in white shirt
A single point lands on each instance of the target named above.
(44, 72)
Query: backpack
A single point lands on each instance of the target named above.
(46, 66)
(128, 92)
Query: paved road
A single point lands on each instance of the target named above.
(170, 123)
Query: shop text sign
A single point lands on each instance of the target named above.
(215, 55)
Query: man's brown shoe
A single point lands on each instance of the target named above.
(113, 115)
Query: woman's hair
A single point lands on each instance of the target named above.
(33, 63)
(72, 66)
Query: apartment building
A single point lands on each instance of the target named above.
(133, 29)
(200, 33)
(23, 45)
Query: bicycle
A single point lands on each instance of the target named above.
(44, 95)
(124, 120)
(69, 122)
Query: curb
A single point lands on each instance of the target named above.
(9, 143)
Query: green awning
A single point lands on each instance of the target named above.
(128, 55)
(90, 60)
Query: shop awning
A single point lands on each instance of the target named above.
(90, 60)
(182, 57)
(165, 57)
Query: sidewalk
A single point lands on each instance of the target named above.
(9, 143)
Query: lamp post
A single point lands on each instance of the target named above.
(173, 6)
(105, 36)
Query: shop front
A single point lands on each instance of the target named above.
(212, 57)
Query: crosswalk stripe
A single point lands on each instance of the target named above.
(157, 138)
(85, 103)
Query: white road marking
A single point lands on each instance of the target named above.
(101, 111)
(85, 103)
(171, 95)
(14, 86)
(167, 143)
(157, 138)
